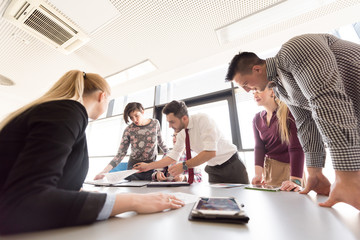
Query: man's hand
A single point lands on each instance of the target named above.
(142, 167)
(317, 182)
(176, 169)
(345, 189)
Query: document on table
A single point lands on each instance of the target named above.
(113, 179)
(116, 177)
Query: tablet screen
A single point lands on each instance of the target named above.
(218, 204)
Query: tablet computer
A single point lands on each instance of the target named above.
(218, 209)
(264, 188)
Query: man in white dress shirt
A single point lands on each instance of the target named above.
(223, 163)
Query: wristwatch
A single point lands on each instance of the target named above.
(296, 181)
(185, 167)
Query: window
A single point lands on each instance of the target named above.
(119, 106)
(145, 97)
(202, 83)
(246, 108)
(103, 136)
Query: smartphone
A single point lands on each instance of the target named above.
(217, 206)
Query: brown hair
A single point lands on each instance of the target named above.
(178, 108)
(130, 107)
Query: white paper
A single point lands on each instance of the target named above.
(116, 177)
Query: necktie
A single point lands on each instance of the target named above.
(188, 156)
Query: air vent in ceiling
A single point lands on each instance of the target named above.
(43, 21)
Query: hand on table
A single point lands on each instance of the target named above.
(317, 182)
(290, 186)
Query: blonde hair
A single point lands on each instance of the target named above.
(72, 85)
(282, 115)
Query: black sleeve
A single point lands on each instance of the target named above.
(31, 199)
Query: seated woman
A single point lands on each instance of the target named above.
(165, 176)
(44, 161)
(279, 157)
(144, 136)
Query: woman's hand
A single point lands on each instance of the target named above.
(145, 203)
(156, 202)
(99, 176)
(257, 180)
(290, 186)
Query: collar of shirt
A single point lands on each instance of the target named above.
(190, 123)
(271, 72)
(264, 113)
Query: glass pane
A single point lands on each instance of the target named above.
(119, 105)
(212, 80)
(248, 159)
(349, 33)
(246, 108)
(103, 137)
(218, 111)
(148, 113)
(145, 97)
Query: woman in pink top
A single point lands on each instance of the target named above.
(279, 157)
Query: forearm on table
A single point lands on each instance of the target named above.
(124, 203)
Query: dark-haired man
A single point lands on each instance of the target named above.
(223, 163)
(318, 77)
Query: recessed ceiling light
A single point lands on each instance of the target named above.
(272, 15)
(6, 81)
(135, 71)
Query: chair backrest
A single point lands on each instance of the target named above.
(120, 167)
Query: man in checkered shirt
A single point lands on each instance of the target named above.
(318, 77)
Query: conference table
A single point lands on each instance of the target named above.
(273, 215)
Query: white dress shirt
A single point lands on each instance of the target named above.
(204, 136)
